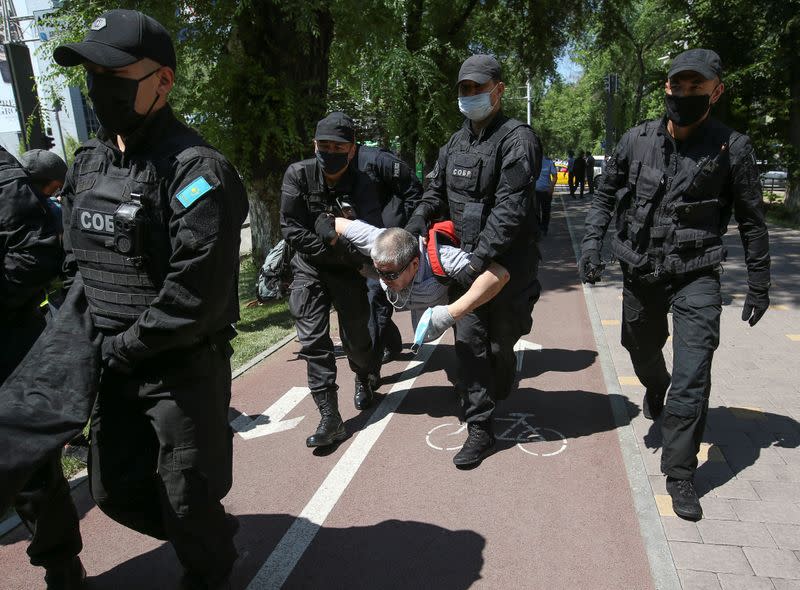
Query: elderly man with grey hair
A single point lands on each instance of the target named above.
(404, 267)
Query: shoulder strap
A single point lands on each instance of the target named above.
(505, 130)
(440, 234)
(310, 173)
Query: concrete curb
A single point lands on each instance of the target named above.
(662, 566)
(261, 356)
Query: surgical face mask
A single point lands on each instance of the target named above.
(476, 107)
(687, 110)
(332, 162)
(114, 101)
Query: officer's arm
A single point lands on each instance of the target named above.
(748, 206)
(401, 181)
(31, 251)
(433, 202)
(202, 280)
(614, 178)
(514, 197)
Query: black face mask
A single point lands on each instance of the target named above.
(687, 110)
(113, 99)
(332, 162)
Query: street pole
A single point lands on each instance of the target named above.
(528, 98)
(56, 110)
(611, 86)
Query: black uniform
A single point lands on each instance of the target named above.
(673, 201)
(488, 182)
(31, 258)
(383, 192)
(161, 454)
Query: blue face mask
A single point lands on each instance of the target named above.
(476, 107)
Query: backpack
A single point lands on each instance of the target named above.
(442, 233)
(275, 274)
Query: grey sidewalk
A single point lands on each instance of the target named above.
(749, 474)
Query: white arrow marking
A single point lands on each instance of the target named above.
(520, 347)
(270, 421)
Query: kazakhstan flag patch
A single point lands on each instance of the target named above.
(193, 191)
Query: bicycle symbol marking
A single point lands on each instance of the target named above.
(534, 440)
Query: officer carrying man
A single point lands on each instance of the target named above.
(31, 258)
(152, 219)
(672, 184)
(353, 181)
(485, 174)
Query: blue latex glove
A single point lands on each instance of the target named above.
(434, 322)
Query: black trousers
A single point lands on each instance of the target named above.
(696, 306)
(580, 181)
(545, 200)
(312, 293)
(590, 179)
(44, 505)
(161, 453)
(485, 338)
(383, 331)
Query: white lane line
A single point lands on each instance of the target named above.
(279, 565)
(270, 421)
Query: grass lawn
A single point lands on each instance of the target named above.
(778, 214)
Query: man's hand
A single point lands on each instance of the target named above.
(590, 266)
(325, 228)
(417, 226)
(755, 304)
(112, 358)
(434, 322)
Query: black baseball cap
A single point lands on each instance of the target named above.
(44, 165)
(336, 127)
(118, 38)
(479, 69)
(703, 61)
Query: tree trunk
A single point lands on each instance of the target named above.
(793, 189)
(264, 219)
(637, 105)
(409, 127)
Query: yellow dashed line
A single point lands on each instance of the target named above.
(748, 413)
(610, 322)
(793, 337)
(664, 503)
(629, 380)
(779, 307)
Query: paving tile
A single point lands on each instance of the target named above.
(734, 532)
(773, 563)
(735, 489)
(664, 505)
(692, 580)
(717, 509)
(678, 529)
(739, 582)
(658, 483)
(710, 558)
(787, 536)
(777, 491)
(786, 584)
(762, 511)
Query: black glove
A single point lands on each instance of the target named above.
(755, 304)
(112, 358)
(417, 226)
(590, 266)
(325, 227)
(469, 272)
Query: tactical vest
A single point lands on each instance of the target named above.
(120, 288)
(670, 217)
(472, 173)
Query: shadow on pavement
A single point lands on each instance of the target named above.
(389, 554)
(737, 437)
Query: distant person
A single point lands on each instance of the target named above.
(579, 175)
(571, 172)
(590, 172)
(672, 185)
(545, 185)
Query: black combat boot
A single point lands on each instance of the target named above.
(69, 576)
(653, 403)
(363, 396)
(478, 445)
(685, 502)
(331, 428)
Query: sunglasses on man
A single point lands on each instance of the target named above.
(393, 275)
